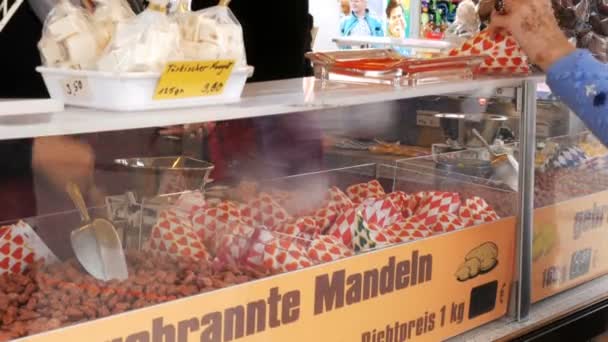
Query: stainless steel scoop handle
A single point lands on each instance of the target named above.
(76, 196)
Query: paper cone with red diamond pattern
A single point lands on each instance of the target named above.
(338, 200)
(363, 239)
(360, 192)
(503, 54)
(325, 218)
(345, 226)
(432, 204)
(303, 228)
(174, 237)
(284, 255)
(325, 248)
(191, 202)
(405, 203)
(20, 247)
(476, 211)
(264, 211)
(233, 245)
(382, 213)
(208, 222)
(447, 222)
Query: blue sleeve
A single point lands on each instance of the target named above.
(581, 82)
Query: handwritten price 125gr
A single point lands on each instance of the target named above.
(193, 79)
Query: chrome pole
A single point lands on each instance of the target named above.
(525, 225)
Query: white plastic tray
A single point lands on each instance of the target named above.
(128, 91)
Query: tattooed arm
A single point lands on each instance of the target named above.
(574, 76)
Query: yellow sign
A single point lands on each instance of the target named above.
(412, 292)
(570, 245)
(182, 80)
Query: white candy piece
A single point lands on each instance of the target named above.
(207, 30)
(82, 49)
(52, 52)
(67, 26)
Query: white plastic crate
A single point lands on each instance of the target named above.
(128, 91)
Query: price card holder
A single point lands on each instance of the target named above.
(76, 87)
(182, 80)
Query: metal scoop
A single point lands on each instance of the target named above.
(96, 244)
(506, 167)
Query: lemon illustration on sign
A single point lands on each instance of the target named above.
(545, 239)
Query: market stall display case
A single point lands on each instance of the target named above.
(292, 251)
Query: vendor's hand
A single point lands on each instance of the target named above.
(533, 24)
(62, 160)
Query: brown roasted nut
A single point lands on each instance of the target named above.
(26, 315)
(103, 311)
(74, 313)
(4, 302)
(93, 291)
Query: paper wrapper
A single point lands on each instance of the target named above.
(191, 202)
(325, 218)
(360, 192)
(406, 203)
(447, 223)
(327, 248)
(476, 211)
(20, 247)
(568, 157)
(264, 211)
(338, 200)
(255, 251)
(303, 228)
(174, 237)
(504, 55)
(381, 213)
(432, 204)
(208, 222)
(284, 255)
(345, 226)
(233, 246)
(364, 237)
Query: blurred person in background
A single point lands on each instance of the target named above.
(396, 27)
(344, 8)
(575, 76)
(360, 22)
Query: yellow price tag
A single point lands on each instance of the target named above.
(182, 80)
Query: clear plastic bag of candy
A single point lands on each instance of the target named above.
(108, 13)
(466, 25)
(143, 43)
(69, 39)
(212, 33)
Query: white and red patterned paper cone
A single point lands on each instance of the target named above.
(476, 211)
(382, 213)
(503, 54)
(283, 255)
(302, 228)
(233, 246)
(174, 237)
(255, 251)
(325, 248)
(434, 203)
(360, 192)
(447, 223)
(20, 247)
(345, 226)
(264, 211)
(406, 203)
(325, 218)
(338, 200)
(191, 202)
(208, 222)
